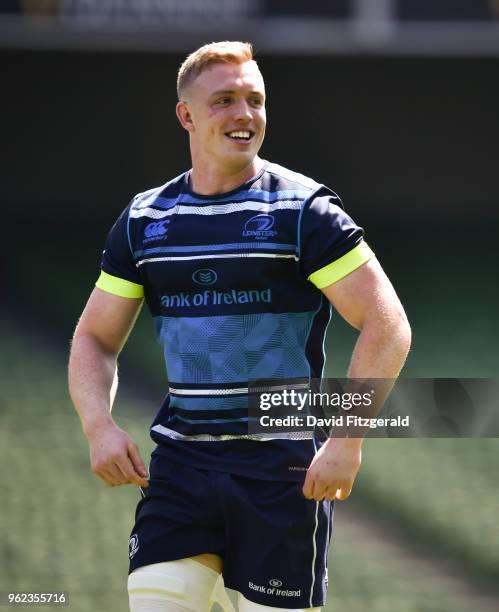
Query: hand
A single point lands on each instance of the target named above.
(333, 469)
(115, 458)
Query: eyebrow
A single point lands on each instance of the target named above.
(231, 91)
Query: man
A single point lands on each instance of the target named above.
(239, 261)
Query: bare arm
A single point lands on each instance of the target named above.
(365, 299)
(99, 337)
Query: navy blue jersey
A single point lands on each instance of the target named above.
(232, 281)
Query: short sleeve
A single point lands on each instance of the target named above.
(119, 275)
(331, 243)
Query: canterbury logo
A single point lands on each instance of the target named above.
(156, 229)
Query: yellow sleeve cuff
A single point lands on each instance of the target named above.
(119, 286)
(336, 270)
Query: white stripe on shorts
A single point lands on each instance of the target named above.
(315, 555)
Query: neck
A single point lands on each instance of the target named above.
(210, 181)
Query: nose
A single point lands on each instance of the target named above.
(243, 111)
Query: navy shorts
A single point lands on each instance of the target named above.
(274, 542)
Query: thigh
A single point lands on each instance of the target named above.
(182, 584)
(244, 605)
(178, 517)
(214, 562)
(277, 542)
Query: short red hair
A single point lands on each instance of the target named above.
(231, 52)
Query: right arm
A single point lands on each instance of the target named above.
(98, 339)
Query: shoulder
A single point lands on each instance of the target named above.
(288, 179)
(296, 185)
(162, 197)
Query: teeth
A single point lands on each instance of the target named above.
(240, 134)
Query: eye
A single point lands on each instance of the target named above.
(222, 101)
(256, 102)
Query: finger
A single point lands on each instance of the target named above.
(330, 493)
(125, 468)
(107, 477)
(307, 488)
(104, 472)
(319, 490)
(344, 492)
(116, 473)
(129, 474)
(140, 470)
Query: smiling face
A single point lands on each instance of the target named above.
(224, 112)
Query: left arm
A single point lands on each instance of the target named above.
(366, 299)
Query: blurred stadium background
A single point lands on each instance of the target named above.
(394, 104)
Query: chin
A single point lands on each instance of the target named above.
(239, 160)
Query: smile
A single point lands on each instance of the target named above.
(243, 136)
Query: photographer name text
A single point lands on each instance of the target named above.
(349, 420)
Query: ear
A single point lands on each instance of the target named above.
(184, 116)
